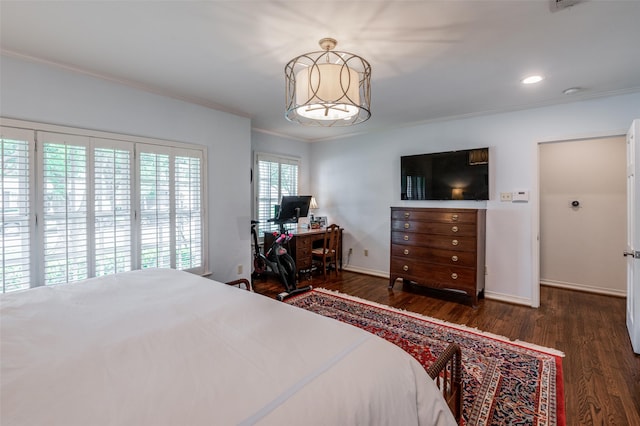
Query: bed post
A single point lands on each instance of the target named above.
(446, 371)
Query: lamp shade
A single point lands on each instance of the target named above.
(313, 204)
(327, 92)
(328, 88)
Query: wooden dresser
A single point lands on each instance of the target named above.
(439, 248)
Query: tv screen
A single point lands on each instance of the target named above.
(453, 175)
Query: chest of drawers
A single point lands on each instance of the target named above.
(439, 248)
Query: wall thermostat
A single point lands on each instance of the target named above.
(520, 196)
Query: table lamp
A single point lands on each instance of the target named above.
(313, 205)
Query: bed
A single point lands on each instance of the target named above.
(164, 347)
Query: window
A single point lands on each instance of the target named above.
(113, 210)
(170, 207)
(16, 154)
(276, 177)
(97, 206)
(65, 216)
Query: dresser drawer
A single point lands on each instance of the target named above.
(465, 229)
(434, 241)
(436, 215)
(426, 254)
(440, 276)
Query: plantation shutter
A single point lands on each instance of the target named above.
(188, 195)
(112, 178)
(276, 177)
(155, 207)
(65, 216)
(171, 214)
(16, 196)
(74, 205)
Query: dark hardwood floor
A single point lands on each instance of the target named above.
(601, 372)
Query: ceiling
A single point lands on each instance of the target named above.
(431, 60)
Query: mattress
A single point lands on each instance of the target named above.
(164, 347)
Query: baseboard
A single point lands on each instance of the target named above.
(501, 297)
(365, 271)
(585, 288)
(487, 294)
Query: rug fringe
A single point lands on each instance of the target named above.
(461, 327)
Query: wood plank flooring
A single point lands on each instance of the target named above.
(601, 372)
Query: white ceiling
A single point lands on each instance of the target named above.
(431, 60)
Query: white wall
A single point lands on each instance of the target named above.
(356, 180)
(581, 247)
(38, 92)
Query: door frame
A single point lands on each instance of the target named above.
(535, 207)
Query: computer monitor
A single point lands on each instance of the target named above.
(293, 207)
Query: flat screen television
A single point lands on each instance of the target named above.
(452, 175)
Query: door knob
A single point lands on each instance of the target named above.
(634, 254)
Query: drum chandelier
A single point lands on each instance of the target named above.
(328, 88)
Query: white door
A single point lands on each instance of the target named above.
(632, 249)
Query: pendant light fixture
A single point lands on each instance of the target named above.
(328, 88)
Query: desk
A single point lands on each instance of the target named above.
(300, 246)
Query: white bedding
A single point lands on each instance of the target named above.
(163, 347)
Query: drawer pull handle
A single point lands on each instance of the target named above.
(406, 238)
(454, 228)
(405, 268)
(454, 217)
(454, 276)
(454, 242)
(406, 225)
(454, 258)
(406, 251)
(407, 214)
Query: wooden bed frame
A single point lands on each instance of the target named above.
(446, 371)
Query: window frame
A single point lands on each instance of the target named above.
(94, 139)
(273, 158)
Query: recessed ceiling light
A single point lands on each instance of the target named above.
(532, 79)
(571, 90)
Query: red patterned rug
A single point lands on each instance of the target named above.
(504, 382)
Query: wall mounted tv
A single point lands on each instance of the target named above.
(453, 175)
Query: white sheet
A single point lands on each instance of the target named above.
(163, 347)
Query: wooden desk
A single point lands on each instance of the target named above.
(300, 246)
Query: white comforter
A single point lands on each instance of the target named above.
(163, 347)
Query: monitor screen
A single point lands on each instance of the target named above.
(292, 207)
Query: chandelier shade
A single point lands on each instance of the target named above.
(328, 88)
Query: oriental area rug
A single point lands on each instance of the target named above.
(504, 382)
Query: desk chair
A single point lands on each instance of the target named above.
(328, 253)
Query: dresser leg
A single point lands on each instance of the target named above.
(392, 281)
